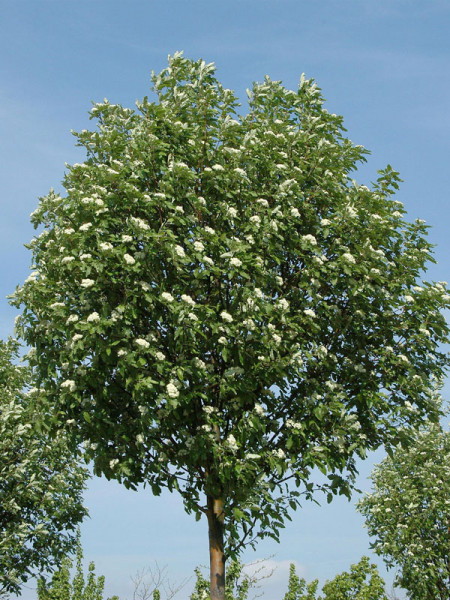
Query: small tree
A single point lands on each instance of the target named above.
(218, 308)
(363, 582)
(62, 588)
(408, 514)
(41, 484)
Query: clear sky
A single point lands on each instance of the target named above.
(383, 64)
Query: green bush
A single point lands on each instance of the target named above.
(61, 588)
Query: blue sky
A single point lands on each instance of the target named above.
(383, 64)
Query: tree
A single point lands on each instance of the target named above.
(363, 582)
(408, 514)
(218, 308)
(41, 483)
(61, 588)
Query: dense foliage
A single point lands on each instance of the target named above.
(408, 514)
(217, 307)
(41, 484)
(362, 582)
(62, 587)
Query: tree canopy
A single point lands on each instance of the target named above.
(408, 514)
(41, 484)
(216, 306)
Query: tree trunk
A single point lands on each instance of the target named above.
(216, 555)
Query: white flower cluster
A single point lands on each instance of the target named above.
(198, 246)
(310, 239)
(283, 303)
(139, 223)
(87, 283)
(142, 343)
(69, 384)
(172, 390)
(167, 297)
(106, 246)
(231, 443)
(188, 300)
(129, 259)
(226, 316)
(349, 258)
(235, 262)
(179, 251)
(85, 226)
(93, 317)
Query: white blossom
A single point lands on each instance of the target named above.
(67, 259)
(218, 168)
(172, 390)
(69, 230)
(235, 262)
(142, 343)
(129, 259)
(87, 283)
(93, 317)
(259, 410)
(226, 316)
(106, 246)
(160, 356)
(222, 340)
(72, 319)
(70, 384)
(349, 257)
(188, 299)
(231, 443)
(276, 338)
(167, 297)
(198, 246)
(127, 238)
(55, 305)
(325, 222)
(179, 250)
(309, 312)
(208, 260)
(209, 230)
(249, 324)
(310, 239)
(192, 316)
(279, 453)
(294, 212)
(86, 256)
(85, 226)
(255, 219)
(139, 223)
(232, 212)
(283, 303)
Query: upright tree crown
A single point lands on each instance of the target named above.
(217, 306)
(41, 484)
(408, 514)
